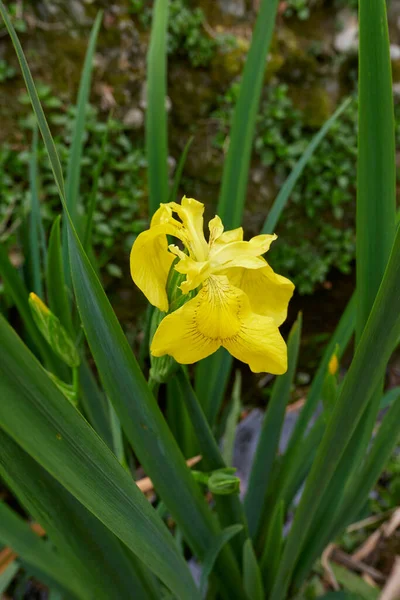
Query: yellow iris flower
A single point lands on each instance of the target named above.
(240, 301)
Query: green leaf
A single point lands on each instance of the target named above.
(271, 555)
(376, 170)
(16, 533)
(36, 235)
(156, 113)
(87, 238)
(56, 287)
(367, 369)
(251, 574)
(19, 294)
(232, 421)
(88, 548)
(340, 339)
(235, 176)
(287, 188)
(260, 476)
(211, 379)
(8, 575)
(173, 197)
(45, 424)
(350, 500)
(209, 560)
(76, 151)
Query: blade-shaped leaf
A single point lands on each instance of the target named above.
(251, 574)
(35, 225)
(156, 114)
(88, 548)
(55, 281)
(16, 533)
(260, 475)
(367, 369)
(46, 425)
(209, 560)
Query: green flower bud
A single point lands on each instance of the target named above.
(223, 482)
(52, 330)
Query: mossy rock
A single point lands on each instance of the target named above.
(315, 103)
(229, 62)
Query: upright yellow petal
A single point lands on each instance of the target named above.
(268, 292)
(150, 263)
(220, 315)
(216, 230)
(232, 235)
(190, 211)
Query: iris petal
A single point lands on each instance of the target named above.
(268, 292)
(150, 263)
(220, 315)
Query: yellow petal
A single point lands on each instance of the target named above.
(268, 292)
(241, 254)
(150, 263)
(220, 315)
(233, 235)
(190, 211)
(216, 229)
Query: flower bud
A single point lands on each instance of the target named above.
(54, 333)
(223, 482)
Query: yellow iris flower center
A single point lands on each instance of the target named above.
(240, 301)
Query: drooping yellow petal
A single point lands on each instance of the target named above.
(150, 263)
(190, 211)
(220, 315)
(268, 292)
(196, 272)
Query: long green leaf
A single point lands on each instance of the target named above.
(173, 197)
(253, 583)
(211, 380)
(271, 555)
(356, 494)
(367, 369)
(8, 575)
(17, 534)
(75, 154)
(90, 550)
(235, 176)
(339, 342)
(47, 426)
(35, 224)
(19, 294)
(376, 171)
(232, 421)
(57, 293)
(287, 188)
(156, 114)
(267, 447)
(209, 560)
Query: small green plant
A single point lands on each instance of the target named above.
(187, 36)
(122, 184)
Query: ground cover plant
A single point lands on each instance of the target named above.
(81, 428)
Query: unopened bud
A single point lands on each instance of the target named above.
(52, 330)
(223, 482)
